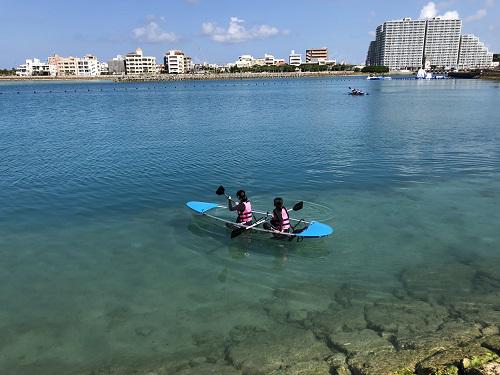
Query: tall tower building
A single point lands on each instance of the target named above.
(411, 44)
(442, 40)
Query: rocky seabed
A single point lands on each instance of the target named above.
(443, 320)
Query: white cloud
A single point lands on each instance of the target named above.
(371, 33)
(430, 11)
(450, 15)
(153, 33)
(236, 31)
(490, 3)
(481, 13)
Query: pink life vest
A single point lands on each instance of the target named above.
(285, 219)
(245, 216)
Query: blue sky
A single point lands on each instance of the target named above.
(218, 31)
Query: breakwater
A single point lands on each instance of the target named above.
(186, 77)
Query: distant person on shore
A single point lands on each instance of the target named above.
(280, 220)
(243, 208)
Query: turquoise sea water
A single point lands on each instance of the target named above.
(103, 268)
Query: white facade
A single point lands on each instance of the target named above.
(442, 41)
(103, 68)
(409, 44)
(174, 62)
(136, 63)
(294, 58)
(268, 59)
(34, 67)
(245, 61)
(473, 53)
(88, 66)
(399, 44)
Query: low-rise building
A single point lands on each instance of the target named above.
(35, 67)
(116, 65)
(88, 66)
(245, 61)
(136, 63)
(268, 59)
(176, 62)
(65, 66)
(317, 55)
(294, 59)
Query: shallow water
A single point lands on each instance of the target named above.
(104, 267)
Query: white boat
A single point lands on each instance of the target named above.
(377, 78)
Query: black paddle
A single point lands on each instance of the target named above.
(236, 232)
(221, 191)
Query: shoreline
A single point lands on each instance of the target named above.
(185, 77)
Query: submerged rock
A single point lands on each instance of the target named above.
(267, 352)
(439, 282)
(324, 323)
(451, 360)
(363, 341)
(404, 317)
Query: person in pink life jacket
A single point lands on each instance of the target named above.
(280, 220)
(243, 208)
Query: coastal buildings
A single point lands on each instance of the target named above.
(136, 63)
(412, 44)
(88, 66)
(473, 53)
(35, 67)
(294, 59)
(316, 55)
(65, 66)
(176, 62)
(116, 65)
(442, 42)
(244, 61)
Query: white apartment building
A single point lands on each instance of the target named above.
(442, 40)
(245, 61)
(103, 68)
(399, 44)
(473, 53)
(408, 44)
(34, 67)
(137, 63)
(294, 58)
(88, 66)
(268, 59)
(176, 62)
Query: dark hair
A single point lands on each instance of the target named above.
(242, 195)
(278, 202)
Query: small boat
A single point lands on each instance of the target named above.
(309, 229)
(356, 92)
(378, 78)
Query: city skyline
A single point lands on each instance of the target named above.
(220, 33)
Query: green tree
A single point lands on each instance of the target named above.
(375, 69)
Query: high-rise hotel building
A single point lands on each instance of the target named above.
(473, 53)
(412, 44)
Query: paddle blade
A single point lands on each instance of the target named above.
(236, 232)
(298, 206)
(220, 190)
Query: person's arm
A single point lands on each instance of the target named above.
(239, 206)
